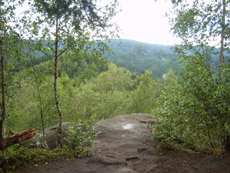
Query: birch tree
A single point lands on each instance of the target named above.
(72, 25)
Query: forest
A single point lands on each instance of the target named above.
(62, 61)
(139, 57)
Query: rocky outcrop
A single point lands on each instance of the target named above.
(51, 137)
(124, 146)
(120, 147)
(124, 130)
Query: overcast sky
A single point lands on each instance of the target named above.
(143, 20)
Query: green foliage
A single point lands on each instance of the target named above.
(101, 97)
(75, 25)
(78, 24)
(25, 105)
(41, 143)
(82, 66)
(112, 92)
(116, 79)
(15, 158)
(195, 109)
(144, 98)
(10, 57)
(200, 22)
(104, 96)
(139, 57)
(80, 138)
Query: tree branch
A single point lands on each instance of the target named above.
(63, 51)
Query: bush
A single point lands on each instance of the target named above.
(195, 109)
(80, 138)
(12, 159)
(144, 98)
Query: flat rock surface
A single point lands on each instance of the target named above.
(124, 146)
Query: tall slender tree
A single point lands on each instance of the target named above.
(221, 58)
(203, 23)
(3, 104)
(8, 37)
(203, 26)
(72, 24)
(40, 101)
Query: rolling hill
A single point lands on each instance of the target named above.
(139, 57)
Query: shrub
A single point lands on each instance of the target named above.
(80, 138)
(195, 109)
(12, 159)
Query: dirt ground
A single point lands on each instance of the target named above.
(124, 146)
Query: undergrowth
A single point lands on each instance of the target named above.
(79, 142)
(11, 159)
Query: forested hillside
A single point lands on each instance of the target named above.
(139, 57)
(136, 56)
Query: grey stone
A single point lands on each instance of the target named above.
(210, 159)
(163, 159)
(140, 150)
(152, 168)
(51, 137)
(106, 161)
(192, 170)
(132, 158)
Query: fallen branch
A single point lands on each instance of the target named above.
(19, 137)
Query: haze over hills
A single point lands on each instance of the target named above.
(139, 57)
(136, 56)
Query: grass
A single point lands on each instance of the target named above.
(12, 159)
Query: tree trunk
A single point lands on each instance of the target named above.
(3, 104)
(19, 137)
(59, 133)
(221, 58)
(227, 144)
(41, 104)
